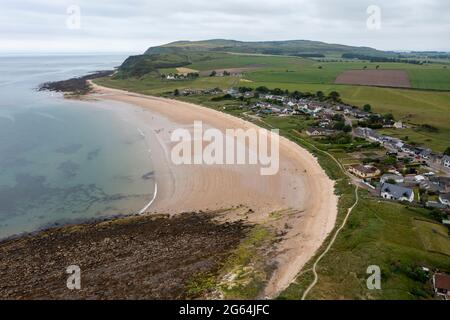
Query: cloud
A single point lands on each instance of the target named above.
(134, 25)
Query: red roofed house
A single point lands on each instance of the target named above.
(441, 284)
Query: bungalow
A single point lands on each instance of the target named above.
(435, 205)
(359, 114)
(291, 104)
(399, 125)
(395, 192)
(408, 149)
(362, 132)
(364, 171)
(367, 133)
(425, 154)
(446, 161)
(249, 95)
(316, 132)
(232, 91)
(275, 109)
(445, 199)
(441, 284)
(392, 177)
(442, 184)
(311, 109)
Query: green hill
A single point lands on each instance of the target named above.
(292, 48)
(183, 53)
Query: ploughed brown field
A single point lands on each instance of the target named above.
(382, 78)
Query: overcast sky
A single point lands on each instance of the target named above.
(47, 26)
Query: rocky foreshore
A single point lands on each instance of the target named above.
(146, 257)
(75, 86)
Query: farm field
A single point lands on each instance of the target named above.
(292, 73)
(383, 78)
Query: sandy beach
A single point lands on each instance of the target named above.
(301, 193)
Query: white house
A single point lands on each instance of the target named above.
(395, 192)
(398, 125)
(445, 199)
(446, 161)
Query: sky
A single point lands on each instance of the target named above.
(131, 26)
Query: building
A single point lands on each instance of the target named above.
(446, 161)
(408, 149)
(435, 205)
(425, 154)
(369, 134)
(439, 184)
(445, 199)
(395, 192)
(441, 284)
(386, 178)
(398, 125)
(364, 171)
(317, 132)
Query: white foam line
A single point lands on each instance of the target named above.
(151, 202)
(141, 133)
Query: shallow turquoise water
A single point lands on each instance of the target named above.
(63, 161)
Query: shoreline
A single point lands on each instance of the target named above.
(302, 194)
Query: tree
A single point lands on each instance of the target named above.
(262, 90)
(245, 89)
(367, 108)
(347, 129)
(277, 92)
(335, 96)
(320, 95)
(447, 152)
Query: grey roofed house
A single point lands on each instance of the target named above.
(445, 198)
(425, 154)
(436, 205)
(446, 161)
(395, 192)
(440, 184)
(368, 133)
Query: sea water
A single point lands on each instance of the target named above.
(61, 160)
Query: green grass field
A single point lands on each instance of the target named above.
(386, 235)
